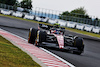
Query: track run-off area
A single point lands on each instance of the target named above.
(90, 57)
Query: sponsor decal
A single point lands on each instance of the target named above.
(60, 40)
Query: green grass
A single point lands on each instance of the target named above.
(11, 56)
(70, 29)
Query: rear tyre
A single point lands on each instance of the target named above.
(78, 42)
(32, 35)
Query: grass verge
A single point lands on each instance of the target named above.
(11, 56)
(70, 29)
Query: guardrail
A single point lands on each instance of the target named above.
(5, 12)
(30, 17)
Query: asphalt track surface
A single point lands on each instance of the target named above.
(90, 57)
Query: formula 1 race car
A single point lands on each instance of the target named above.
(54, 37)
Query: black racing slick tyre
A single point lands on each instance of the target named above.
(78, 42)
(32, 35)
(42, 36)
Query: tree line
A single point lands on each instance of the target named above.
(26, 4)
(78, 12)
(78, 15)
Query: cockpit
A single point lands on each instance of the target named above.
(56, 31)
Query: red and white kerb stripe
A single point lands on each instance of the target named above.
(47, 59)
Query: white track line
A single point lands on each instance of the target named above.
(57, 57)
(46, 51)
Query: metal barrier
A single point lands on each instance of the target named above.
(6, 6)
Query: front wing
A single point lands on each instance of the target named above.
(56, 46)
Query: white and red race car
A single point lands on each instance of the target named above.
(55, 38)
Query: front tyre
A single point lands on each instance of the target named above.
(42, 36)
